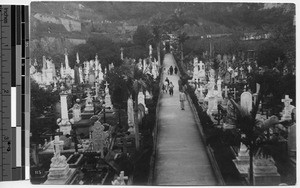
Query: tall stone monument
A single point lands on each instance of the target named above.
(130, 114)
(63, 122)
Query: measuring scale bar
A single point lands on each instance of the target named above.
(14, 51)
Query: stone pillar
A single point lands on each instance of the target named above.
(64, 124)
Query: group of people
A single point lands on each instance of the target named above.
(168, 87)
(171, 70)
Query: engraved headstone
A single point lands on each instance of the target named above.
(99, 137)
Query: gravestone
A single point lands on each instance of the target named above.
(196, 69)
(246, 101)
(141, 100)
(242, 160)
(265, 172)
(108, 103)
(288, 108)
(120, 180)
(59, 172)
(77, 111)
(219, 84)
(99, 138)
(130, 115)
(201, 73)
(63, 122)
(89, 102)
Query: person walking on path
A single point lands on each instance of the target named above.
(171, 87)
(171, 70)
(182, 98)
(167, 80)
(175, 70)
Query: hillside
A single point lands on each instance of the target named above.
(55, 26)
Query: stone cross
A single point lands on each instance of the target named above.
(287, 111)
(226, 91)
(287, 101)
(249, 68)
(122, 177)
(120, 180)
(106, 87)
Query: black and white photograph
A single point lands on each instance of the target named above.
(162, 93)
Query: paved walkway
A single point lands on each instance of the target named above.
(181, 157)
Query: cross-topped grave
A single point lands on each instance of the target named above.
(226, 91)
(99, 138)
(288, 108)
(106, 87)
(120, 180)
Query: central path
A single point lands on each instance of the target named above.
(181, 157)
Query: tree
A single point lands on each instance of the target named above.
(106, 49)
(158, 34)
(130, 80)
(42, 100)
(141, 35)
(246, 123)
(176, 23)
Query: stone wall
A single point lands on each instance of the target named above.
(69, 24)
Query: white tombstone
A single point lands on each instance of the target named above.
(108, 103)
(288, 108)
(89, 102)
(64, 123)
(141, 100)
(196, 69)
(130, 114)
(201, 73)
(150, 50)
(210, 87)
(99, 137)
(249, 69)
(246, 101)
(219, 86)
(120, 180)
(77, 111)
(226, 91)
(59, 170)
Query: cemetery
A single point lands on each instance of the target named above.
(171, 106)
